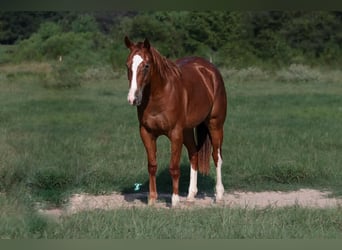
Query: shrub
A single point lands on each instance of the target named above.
(299, 73)
(63, 75)
(118, 54)
(6, 52)
(237, 54)
(48, 30)
(100, 73)
(85, 23)
(66, 44)
(85, 45)
(245, 74)
(29, 49)
(331, 55)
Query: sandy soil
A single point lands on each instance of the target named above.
(308, 198)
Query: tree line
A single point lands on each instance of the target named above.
(226, 37)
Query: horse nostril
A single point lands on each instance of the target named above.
(130, 101)
(133, 101)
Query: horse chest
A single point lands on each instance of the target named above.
(157, 122)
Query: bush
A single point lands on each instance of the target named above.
(245, 74)
(29, 50)
(64, 74)
(299, 73)
(118, 55)
(100, 73)
(331, 55)
(48, 30)
(6, 52)
(84, 44)
(66, 44)
(85, 23)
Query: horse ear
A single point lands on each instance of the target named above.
(147, 44)
(128, 42)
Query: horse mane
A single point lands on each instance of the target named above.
(165, 67)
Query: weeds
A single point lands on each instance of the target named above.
(295, 73)
(299, 73)
(245, 74)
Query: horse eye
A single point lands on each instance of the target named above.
(147, 66)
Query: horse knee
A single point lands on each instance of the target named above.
(152, 169)
(215, 157)
(174, 171)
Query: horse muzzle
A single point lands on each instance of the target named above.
(135, 100)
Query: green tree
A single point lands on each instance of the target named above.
(19, 25)
(163, 29)
(85, 23)
(227, 37)
(312, 32)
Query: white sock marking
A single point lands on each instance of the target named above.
(175, 200)
(219, 185)
(193, 184)
(134, 85)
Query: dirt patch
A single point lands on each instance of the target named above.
(308, 198)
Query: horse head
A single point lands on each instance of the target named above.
(139, 69)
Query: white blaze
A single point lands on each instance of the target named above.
(134, 85)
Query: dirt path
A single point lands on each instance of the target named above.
(308, 198)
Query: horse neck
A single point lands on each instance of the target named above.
(160, 85)
(165, 71)
(165, 78)
(154, 95)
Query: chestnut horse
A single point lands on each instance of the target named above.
(183, 100)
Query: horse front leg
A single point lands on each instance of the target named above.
(176, 150)
(151, 149)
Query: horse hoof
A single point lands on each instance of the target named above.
(190, 199)
(151, 202)
(175, 200)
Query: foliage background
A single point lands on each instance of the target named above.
(269, 38)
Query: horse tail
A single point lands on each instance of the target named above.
(203, 148)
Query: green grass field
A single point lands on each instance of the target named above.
(54, 142)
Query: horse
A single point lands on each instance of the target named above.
(186, 101)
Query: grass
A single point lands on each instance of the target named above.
(279, 135)
(150, 223)
(289, 136)
(212, 223)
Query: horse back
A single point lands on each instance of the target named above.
(197, 71)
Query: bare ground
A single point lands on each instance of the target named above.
(308, 198)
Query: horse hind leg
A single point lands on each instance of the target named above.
(190, 144)
(217, 138)
(219, 185)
